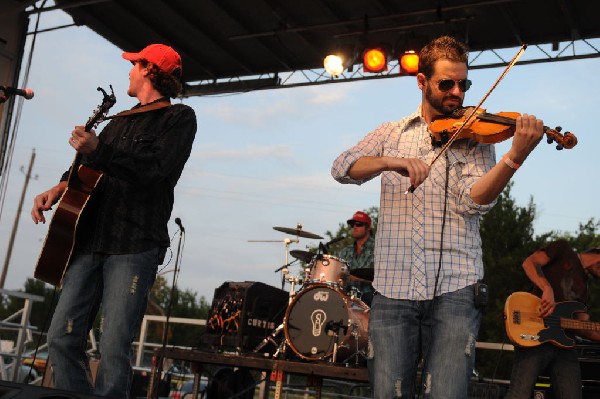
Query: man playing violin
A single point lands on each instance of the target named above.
(428, 255)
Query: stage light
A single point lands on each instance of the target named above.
(333, 65)
(374, 60)
(409, 62)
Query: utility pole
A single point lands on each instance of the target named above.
(16, 223)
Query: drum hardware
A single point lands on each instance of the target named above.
(333, 328)
(358, 352)
(354, 293)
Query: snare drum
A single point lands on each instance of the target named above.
(320, 317)
(329, 269)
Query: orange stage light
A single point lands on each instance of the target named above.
(374, 60)
(409, 62)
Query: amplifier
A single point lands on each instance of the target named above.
(243, 314)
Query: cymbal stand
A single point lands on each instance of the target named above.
(285, 276)
(285, 270)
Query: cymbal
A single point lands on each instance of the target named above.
(298, 232)
(304, 256)
(365, 273)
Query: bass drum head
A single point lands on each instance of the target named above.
(317, 319)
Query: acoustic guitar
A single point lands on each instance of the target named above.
(525, 327)
(58, 246)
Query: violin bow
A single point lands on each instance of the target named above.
(472, 114)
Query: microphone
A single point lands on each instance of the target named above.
(27, 93)
(178, 222)
(323, 249)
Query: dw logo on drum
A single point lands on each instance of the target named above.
(321, 296)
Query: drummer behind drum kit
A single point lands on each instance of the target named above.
(323, 320)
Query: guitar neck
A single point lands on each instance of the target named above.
(574, 324)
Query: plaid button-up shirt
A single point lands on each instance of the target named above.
(409, 236)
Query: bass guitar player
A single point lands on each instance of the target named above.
(559, 274)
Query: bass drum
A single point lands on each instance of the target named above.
(320, 317)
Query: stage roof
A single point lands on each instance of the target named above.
(239, 45)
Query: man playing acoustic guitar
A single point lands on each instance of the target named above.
(559, 274)
(122, 233)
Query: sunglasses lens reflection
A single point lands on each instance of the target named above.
(448, 84)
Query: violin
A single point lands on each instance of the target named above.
(489, 128)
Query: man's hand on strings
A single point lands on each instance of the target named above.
(44, 201)
(83, 142)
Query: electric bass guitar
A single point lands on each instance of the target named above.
(525, 327)
(60, 239)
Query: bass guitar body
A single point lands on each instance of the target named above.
(525, 327)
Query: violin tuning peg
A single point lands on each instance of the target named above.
(559, 147)
(549, 140)
(558, 128)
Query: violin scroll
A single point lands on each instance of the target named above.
(567, 140)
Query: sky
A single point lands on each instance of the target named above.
(263, 159)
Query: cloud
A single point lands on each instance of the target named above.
(329, 97)
(264, 114)
(251, 152)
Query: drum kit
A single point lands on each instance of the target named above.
(324, 319)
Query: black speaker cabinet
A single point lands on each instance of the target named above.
(243, 314)
(12, 390)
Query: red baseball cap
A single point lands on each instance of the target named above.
(360, 217)
(161, 55)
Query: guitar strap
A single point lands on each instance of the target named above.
(143, 108)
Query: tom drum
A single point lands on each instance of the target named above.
(329, 269)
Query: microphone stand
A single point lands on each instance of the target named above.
(159, 361)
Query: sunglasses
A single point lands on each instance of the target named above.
(448, 84)
(356, 224)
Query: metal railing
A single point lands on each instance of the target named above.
(18, 321)
(142, 344)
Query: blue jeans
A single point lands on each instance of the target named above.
(404, 334)
(562, 365)
(121, 283)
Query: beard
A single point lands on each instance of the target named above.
(438, 103)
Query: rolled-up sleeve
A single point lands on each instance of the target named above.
(370, 146)
(484, 157)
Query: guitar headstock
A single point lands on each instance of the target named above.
(99, 115)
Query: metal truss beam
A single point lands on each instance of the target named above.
(574, 50)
